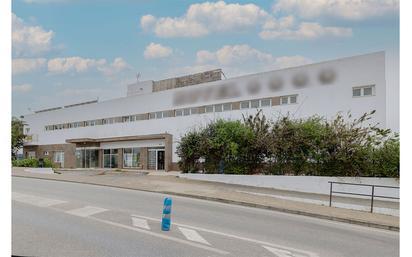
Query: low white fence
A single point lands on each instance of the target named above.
(307, 184)
(40, 170)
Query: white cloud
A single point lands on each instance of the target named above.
(29, 40)
(118, 65)
(234, 54)
(77, 64)
(22, 88)
(346, 9)
(281, 23)
(24, 65)
(154, 51)
(203, 18)
(306, 30)
(81, 65)
(239, 60)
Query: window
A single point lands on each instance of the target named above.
(209, 108)
(92, 122)
(356, 92)
(31, 154)
(141, 117)
(110, 158)
(131, 157)
(152, 115)
(59, 157)
(133, 118)
(87, 158)
(367, 91)
(46, 153)
(167, 114)
(179, 113)
(254, 104)
(125, 119)
(218, 108)
(363, 91)
(201, 110)
(290, 99)
(265, 102)
(159, 115)
(186, 111)
(244, 105)
(194, 110)
(227, 107)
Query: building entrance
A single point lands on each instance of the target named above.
(87, 158)
(156, 159)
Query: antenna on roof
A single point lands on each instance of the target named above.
(137, 76)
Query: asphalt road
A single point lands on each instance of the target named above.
(52, 218)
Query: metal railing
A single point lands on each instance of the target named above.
(372, 195)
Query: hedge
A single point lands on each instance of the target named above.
(32, 162)
(312, 146)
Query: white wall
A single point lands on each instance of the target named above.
(307, 184)
(313, 99)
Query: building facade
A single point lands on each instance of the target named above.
(142, 130)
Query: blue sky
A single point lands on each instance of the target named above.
(69, 51)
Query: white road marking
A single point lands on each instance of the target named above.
(294, 250)
(86, 211)
(35, 200)
(163, 236)
(141, 223)
(192, 235)
(278, 252)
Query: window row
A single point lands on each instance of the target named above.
(363, 91)
(249, 104)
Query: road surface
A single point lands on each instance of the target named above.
(53, 218)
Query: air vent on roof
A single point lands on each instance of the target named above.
(48, 110)
(83, 103)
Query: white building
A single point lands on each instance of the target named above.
(143, 129)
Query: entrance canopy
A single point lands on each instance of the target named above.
(120, 152)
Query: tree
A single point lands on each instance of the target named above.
(17, 136)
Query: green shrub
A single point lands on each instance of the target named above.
(311, 146)
(47, 163)
(32, 163)
(26, 163)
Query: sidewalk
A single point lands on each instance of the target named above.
(272, 199)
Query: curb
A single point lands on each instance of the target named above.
(240, 203)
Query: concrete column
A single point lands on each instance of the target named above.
(100, 158)
(120, 158)
(70, 156)
(143, 157)
(168, 152)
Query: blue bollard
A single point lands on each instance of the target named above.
(167, 211)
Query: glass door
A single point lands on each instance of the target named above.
(160, 160)
(156, 159)
(151, 164)
(110, 158)
(87, 158)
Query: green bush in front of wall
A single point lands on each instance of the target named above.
(312, 146)
(32, 163)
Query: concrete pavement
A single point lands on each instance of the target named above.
(53, 218)
(243, 195)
